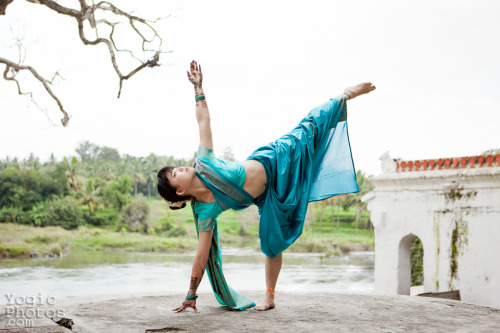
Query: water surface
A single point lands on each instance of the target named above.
(99, 273)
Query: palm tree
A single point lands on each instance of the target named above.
(365, 186)
(151, 168)
(90, 195)
(137, 173)
(106, 170)
(71, 173)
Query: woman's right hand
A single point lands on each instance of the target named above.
(195, 76)
(188, 303)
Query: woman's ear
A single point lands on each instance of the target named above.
(180, 192)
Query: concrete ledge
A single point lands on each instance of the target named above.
(294, 312)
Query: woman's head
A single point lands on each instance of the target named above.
(172, 184)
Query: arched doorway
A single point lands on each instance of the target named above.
(410, 263)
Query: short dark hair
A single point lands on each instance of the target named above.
(166, 190)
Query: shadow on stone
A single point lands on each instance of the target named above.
(455, 295)
(166, 329)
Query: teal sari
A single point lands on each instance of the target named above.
(227, 195)
(311, 162)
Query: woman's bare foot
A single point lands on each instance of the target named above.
(359, 89)
(268, 303)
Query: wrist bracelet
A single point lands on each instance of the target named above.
(197, 85)
(191, 297)
(200, 97)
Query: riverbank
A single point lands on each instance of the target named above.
(174, 231)
(300, 312)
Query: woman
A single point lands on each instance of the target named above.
(312, 162)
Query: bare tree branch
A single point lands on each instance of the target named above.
(14, 68)
(87, 12)
(3, 5)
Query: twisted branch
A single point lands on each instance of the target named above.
(14, 68)
(87, 13)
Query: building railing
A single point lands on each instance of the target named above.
(468, 162)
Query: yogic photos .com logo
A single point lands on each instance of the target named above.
(22, 310)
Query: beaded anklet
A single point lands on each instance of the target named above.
(272, 290)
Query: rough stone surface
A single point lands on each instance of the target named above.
(39, 329)
(295, 312)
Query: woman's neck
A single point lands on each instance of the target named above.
(201, 192)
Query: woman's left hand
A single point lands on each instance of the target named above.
(188, 303)
(195, 75)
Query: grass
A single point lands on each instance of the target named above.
(18, 240)
(174, 231)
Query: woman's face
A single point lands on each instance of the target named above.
(181, 178)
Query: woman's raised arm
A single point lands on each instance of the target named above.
(202, 114)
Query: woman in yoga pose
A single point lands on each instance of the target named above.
(311, 162)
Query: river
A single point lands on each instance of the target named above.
(100, 273)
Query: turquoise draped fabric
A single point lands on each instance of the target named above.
(311, 162)
(225, 192)
(228, 195)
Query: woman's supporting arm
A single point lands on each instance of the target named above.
(202, 114)
(200, 260)
(199, 265)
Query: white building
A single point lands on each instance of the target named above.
(453, 206)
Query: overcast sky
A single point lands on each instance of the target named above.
(436, 65)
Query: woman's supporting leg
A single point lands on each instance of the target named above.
(273, 268)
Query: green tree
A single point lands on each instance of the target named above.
(88, 151)
(136, 215)
(20, 188)
(137, 171)
(117, 193)
(365, 186)
(65, 212)
(89, 195)
(417, 262)
(151, 169)
(108, 154)
(71, 173)
(38, 213)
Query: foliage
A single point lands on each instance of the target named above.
(14, 215)
(65, 212)
(136, 215)
(38, 213)
(116, 193)
(24, 188)
(103, 217)
(417, 262)
(89, 195)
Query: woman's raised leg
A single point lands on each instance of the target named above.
(273, 268)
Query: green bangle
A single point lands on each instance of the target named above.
(191, 297)
(200, 97)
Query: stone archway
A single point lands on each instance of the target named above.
(404, 265)
(452, 205)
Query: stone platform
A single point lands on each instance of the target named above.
(295, 312)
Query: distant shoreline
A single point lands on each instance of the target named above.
(23, 241)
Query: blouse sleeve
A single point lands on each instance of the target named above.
(205, 152)
(207, 224)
